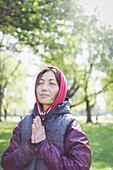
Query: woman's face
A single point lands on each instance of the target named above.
(47, 89)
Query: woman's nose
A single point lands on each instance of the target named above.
(44, 87)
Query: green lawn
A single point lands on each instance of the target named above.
(101, 142)
(100, 139)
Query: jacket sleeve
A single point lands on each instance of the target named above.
(17, 156)
(76, 156)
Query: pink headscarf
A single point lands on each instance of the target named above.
(61, 94)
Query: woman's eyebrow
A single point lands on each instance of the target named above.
(51, 79)
(41, 79)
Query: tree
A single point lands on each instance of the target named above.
(62, 35)
(10, 74)
(36, 22)
(98, 59)
(85, 60)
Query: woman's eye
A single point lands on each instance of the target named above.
(52, 83)
(40, 83)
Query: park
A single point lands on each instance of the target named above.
(73, 36)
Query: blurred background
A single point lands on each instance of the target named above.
(74, 35)
(77, 37)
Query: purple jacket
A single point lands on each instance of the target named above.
(76, 154)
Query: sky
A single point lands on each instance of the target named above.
(104, 7)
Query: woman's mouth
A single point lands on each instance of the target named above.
(44, 95)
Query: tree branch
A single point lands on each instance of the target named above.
(94, 94)
(103, 89)
(12, 74)
(76, 104)
(73, 89)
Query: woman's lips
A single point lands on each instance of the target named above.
(44, 95)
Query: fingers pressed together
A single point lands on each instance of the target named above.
(38, 131)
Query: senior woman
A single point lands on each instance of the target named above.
(49, 138)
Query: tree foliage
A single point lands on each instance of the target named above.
(36, 22)
(87, 59)
(60, 33)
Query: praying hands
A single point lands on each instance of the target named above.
(38, 131)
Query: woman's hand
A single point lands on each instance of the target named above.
(38, 131)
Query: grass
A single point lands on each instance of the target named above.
(101, 142)
(100, 139)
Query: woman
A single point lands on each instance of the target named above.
(49, 138)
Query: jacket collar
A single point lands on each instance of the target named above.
(61, 108)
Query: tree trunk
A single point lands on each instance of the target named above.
(88, 109)
(5, 114)
(0, 113)
(1, 97)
